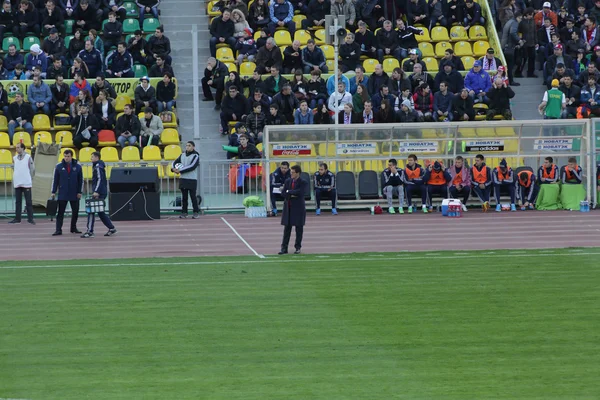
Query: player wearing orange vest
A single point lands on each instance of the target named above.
(527, 189)
(503, 177)
(548, 173)
(437, 180)
(413, 177)
(570, 174)
(460, 182)
(481, 179)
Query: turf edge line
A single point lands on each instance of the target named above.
(242, 239)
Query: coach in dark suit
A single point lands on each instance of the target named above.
(294, 209)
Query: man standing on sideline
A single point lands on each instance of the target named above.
(24, 171)
(99, 185)
(278, 178)
(68, 180)
(325, 186)
(294, 209)
(392, 180)
(188, 181)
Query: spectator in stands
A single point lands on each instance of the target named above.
(472, 14)
(51, 18)
(292, 58)
(128, 127)
(145, 95)
(413, 180)
(418, 77)
(387, 42)
(83, 97)
(13, 58)
(316, 90)
(235, 108)
(331, 85)
(392, 182)
(278, 178)
(561, 72)
(553, 103)
(102, 84)
(238, 5)
(7, 18)
(86, 128)
(490, 62)
(591, 71)
(287, 102)
(527, 189)
(442, 103)
(273, 84)
(460, 181)
(571, 173)
(26, 20)
(499, 100)
(378, 79)
(136, 45)
(380, 96)
(316, 12)
(3, 100)
(3, 72)
(367, 114)
(247, 150)
(324, 184)
(36, 58)
(261, 98)
(453, 78)
(503, 177)
(413, 59)
(96, 41)
(449, 57)
(56, 69)
(165, 94)
(572, 95)
(417, 12)
(359, 98)
(147, 7)
(322, 116)
(478, 82)
(86, 16)
(436, 179)
(404, 95)
(258, 14)
(423, 99)
(113, 30)
(60, 96)
(151, 128)
(338, 99)
(347, 116)
(79, 83)
(92, 58)
(548, 173)
(39, 96)
(54, 47)
(18, 73)
(358, 79)
(371, 12)
(546, 13)
(20, 114)
(349, 53)
(366, 40)
(399, 82)
(385, 115)
(281, 13)
(262, 38)
(115, 6)
(566, 31)
(214, 77)
(300, 86)
(313, 58)
(544, 39)
(406, 37)
(239, 23)
(104, 111)
(462, 107)
(256, 122)
(436, 13)
(246, 48)
(268, 56)
(527, 31)
(510, 41)
(345, 8)
(481, 179)
(275, 117)
(455, 10)
(558, 58)
(160, 45)
(76, 45)
(119, 63)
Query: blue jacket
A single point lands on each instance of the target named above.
(10, 62)
(93, 60)
(99, 183)
(586, 95)
(315, 57)
(36, 61)
(300, 119)
(117, 62)
(11, 75)
(68, 184)
(281, 12)
(278, 178)
(478, 82)
(41, 94)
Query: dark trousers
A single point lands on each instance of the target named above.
(287, 232)
(274, 198)
(19, 193)
(321, 193)
(230, 41)
(492, 112)
(465, 192)
(510, 63)
(62, 206)
(184, 200)
(442, 190)
(528, 54)
(103, 217)
(483, 194)
(411, 189)
(511, 191)
(526, 195)
(78, 141)
(219, 85)
(154, 141)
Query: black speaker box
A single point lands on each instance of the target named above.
(130, 180)
(132, 209)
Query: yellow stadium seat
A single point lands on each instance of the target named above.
(6, 170)
(330, 65)
(468, 62)
(172, 152)
(327, 150)
(173, 123)
(439, 33)
(62, 151)
(247, 68)
(426, 49)
(485, 132)
(4, 140)
(231, 67)
(65, 138)
(424, 37)
(225, 54)
(375, 165)
(389, 64)
(22, 137)
(130, 154)
(441, 47)
(369, 65)
(466, 132)
(463, 49)
(41, 122)
(212, 10)
(477, 32)
(43, 137)
(297, 19)
(458, 33)
(3, 123)
(282, 38)
(480, 48)
(328, 51)
(431, 63)
(506, 131)
(109, 154)
(85, 154)
(151, 153)
(257, 35)
(58, 126)
(320, 36)
(121, 101)
(169, 136)
(302, 36)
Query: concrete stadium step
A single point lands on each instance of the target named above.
(527, 98)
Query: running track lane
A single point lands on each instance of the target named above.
(346, 233)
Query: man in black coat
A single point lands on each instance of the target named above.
(350, 53)
(221, 30)
(214, 77)
(235, 108)
(294, 209)
(86, 128)
(500, 96)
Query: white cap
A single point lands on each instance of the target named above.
(547, 5)
(35, 48)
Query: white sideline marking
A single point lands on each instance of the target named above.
(294, 259)
(242, 239)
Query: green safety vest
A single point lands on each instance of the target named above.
(554, 105)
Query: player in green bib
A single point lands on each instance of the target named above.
(554, 102)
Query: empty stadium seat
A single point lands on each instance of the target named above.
(468, 62)
(320, 36)
(328, 51)
(3, 123)
(426, 49)
(225, 54)
(439, 33)
(150, 25)
(424, 37)
(327, 150)
(131, 25)
(121, 101)
(282, 38)
(231, 67)
(330, 65)
(57, 126)
(303, 36)
(4, 140)
(367, 185)
(480, 48)
(109, 154)
(130, 154)
(458, 33)
(389, 64)
(346, 185)
(369, 65)
(477, 32)
(247, 68)
(171, 153)
(441, 47)
(297, 19)
(151, 153)
(42, 137)
(30, 41)
(106, 137)
(463, 49)
(169, 136)
(6, 170)
(22, 137)
(41, 122)
(69, 23)
(431, 63)
(65, 138)
(140, 70)
(374, 165)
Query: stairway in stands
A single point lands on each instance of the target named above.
(527, 98)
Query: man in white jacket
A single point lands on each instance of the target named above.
(338, 99)
(22, 182)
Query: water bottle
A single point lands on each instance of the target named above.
(372, 210)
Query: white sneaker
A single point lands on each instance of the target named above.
(464, 208)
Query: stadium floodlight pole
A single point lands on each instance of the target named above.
(195, 82)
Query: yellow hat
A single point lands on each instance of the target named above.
(555, 83)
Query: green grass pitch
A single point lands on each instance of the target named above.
(469, 325)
